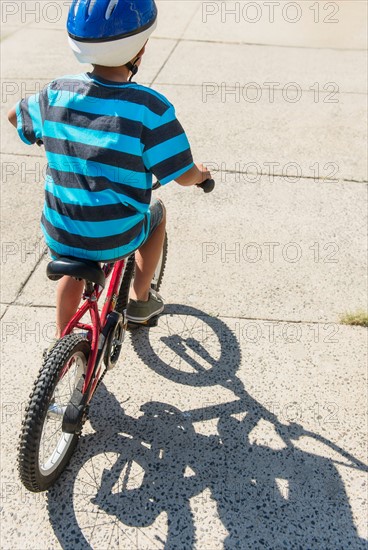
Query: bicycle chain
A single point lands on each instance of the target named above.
(101, 378)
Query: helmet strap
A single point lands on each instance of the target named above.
(133, 68)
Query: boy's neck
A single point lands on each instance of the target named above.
(115, 74)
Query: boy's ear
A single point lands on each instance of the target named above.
(141, 52)
(139, 55)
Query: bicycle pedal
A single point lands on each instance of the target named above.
(153, 322)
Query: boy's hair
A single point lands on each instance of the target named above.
(110, 32)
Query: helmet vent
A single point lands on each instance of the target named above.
(76, 6)
(110, 8)
(91, 6)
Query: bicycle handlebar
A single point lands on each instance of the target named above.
(207, 185)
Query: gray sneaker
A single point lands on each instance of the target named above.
(140, 312)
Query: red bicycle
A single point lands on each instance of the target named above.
(73, 369)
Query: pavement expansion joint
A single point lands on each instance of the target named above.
(304, 90)
(29, 305)
(3, 38)
(5, 311)
(198, 315)
(180, 39)
(165, 62)
(23, 285)
(293, 47)
(302, 177)
(237, 172)
(222, 42)
(25, 155)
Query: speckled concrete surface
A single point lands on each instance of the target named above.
(240, 421)
(211, 433)
(275, 247)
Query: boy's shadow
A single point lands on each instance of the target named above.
(265, 498)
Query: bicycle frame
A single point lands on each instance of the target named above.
(91, 296)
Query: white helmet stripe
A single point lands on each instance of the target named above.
(113, 53)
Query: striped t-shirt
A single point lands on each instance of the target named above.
(103, 141)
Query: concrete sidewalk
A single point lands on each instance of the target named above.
(240, 421)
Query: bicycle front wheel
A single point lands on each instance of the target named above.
(44, 449)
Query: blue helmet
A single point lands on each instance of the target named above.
(110, 32)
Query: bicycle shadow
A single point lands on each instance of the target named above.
(264, 497)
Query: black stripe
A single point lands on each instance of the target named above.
(118, 125)
(106, 212)
(151, 138)
(27, 124)
(118, 36)
(91, 243)
(44, 102)
(94, 153)
(73, 180)
(173, 164)
(124, 92)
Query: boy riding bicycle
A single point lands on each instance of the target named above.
(104, 137)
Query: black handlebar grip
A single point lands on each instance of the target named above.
(207, 186)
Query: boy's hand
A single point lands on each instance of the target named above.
(12, 117)
(205, 173)
(197, 174)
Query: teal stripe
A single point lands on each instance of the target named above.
(80, 196)
(92, 169)
(84, 197)
(108, 107)
(97, 255)
(33, 104)
(20, 124)
(91, 229)
(87, 136)
(177, 174)
(165, 150)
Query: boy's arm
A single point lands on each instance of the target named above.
(27, 118)
(195, 175)
(167, 153)
(12, 117)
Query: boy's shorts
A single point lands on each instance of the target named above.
(157, 214)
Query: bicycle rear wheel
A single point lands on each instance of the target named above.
(44, 449)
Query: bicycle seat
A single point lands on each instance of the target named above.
(79, 269)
